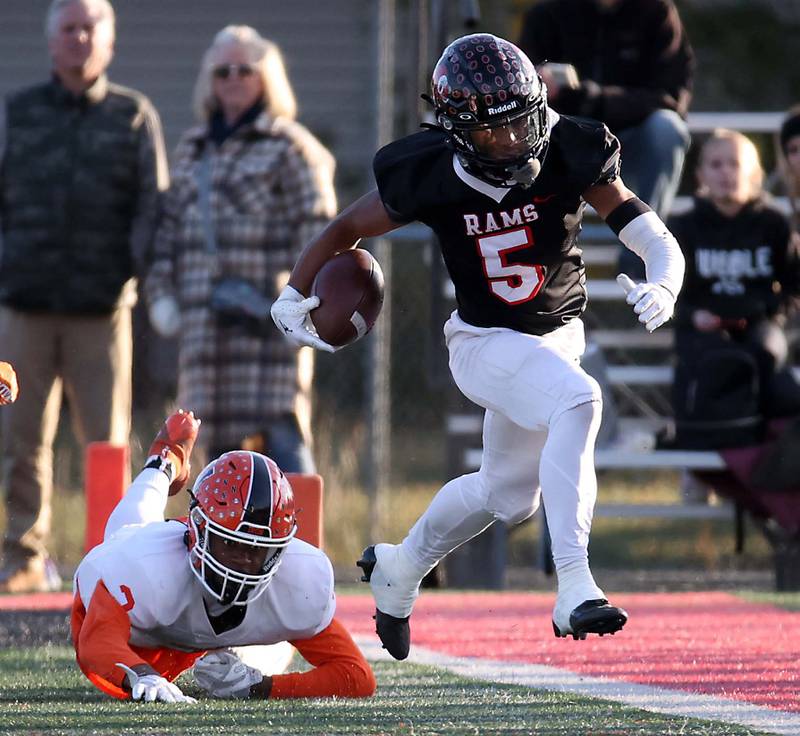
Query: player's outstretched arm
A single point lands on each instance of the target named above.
(339, 670)
(8, 383)
(147, 685)
(165, 473)
(101, 635)
(642, 231)
(171, 449)
(365, 218)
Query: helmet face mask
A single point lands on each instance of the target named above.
(240, 521)
(492, 104)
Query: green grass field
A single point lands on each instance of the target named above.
(43, 692)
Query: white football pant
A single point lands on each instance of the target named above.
(541, 421)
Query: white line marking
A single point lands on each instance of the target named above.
(645, 697)
(359, 323)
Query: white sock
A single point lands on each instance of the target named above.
(577, 576)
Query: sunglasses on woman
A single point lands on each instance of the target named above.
(224, 71)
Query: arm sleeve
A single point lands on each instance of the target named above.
(101, 640)
(684, 305)
(648, 237)
(339, 668)
(144, 502)
(153, 182)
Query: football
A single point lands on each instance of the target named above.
(350, 291)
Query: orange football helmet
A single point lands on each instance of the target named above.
(241, 518)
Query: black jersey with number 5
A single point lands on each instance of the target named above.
(511, 253)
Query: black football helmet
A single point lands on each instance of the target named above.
(492, 104)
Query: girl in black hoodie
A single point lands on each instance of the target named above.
(742, 276)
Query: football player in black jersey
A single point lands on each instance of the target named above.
(503, 181)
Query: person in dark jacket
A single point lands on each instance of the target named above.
(629, 64)
(82, 164)
(789, 161)
(742, 277)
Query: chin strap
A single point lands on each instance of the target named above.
(526, 174)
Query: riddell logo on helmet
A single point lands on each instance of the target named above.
(503, 108)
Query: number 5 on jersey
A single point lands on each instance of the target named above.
(514, 283)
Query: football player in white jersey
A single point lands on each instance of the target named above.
(503, 181)
(158, 594)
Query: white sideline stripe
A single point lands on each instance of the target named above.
(645, 697)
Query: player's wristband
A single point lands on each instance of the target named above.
(164, 464)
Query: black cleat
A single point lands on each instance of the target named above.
(394, 633)
(594, 617)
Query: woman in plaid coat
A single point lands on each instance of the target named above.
(249, 187)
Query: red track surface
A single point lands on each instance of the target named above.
(711, 643)
(36, 602)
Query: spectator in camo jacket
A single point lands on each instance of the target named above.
(249, 187)
(82, 165)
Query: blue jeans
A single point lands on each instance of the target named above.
(652, 161)
(283, 442)
(286, 447)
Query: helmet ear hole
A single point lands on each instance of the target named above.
(445, 122)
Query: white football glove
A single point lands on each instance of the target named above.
(223, 675)
(290, 313)
(165, 316)
(652, 302)
(152, 688)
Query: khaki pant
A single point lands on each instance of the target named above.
(89, 358)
